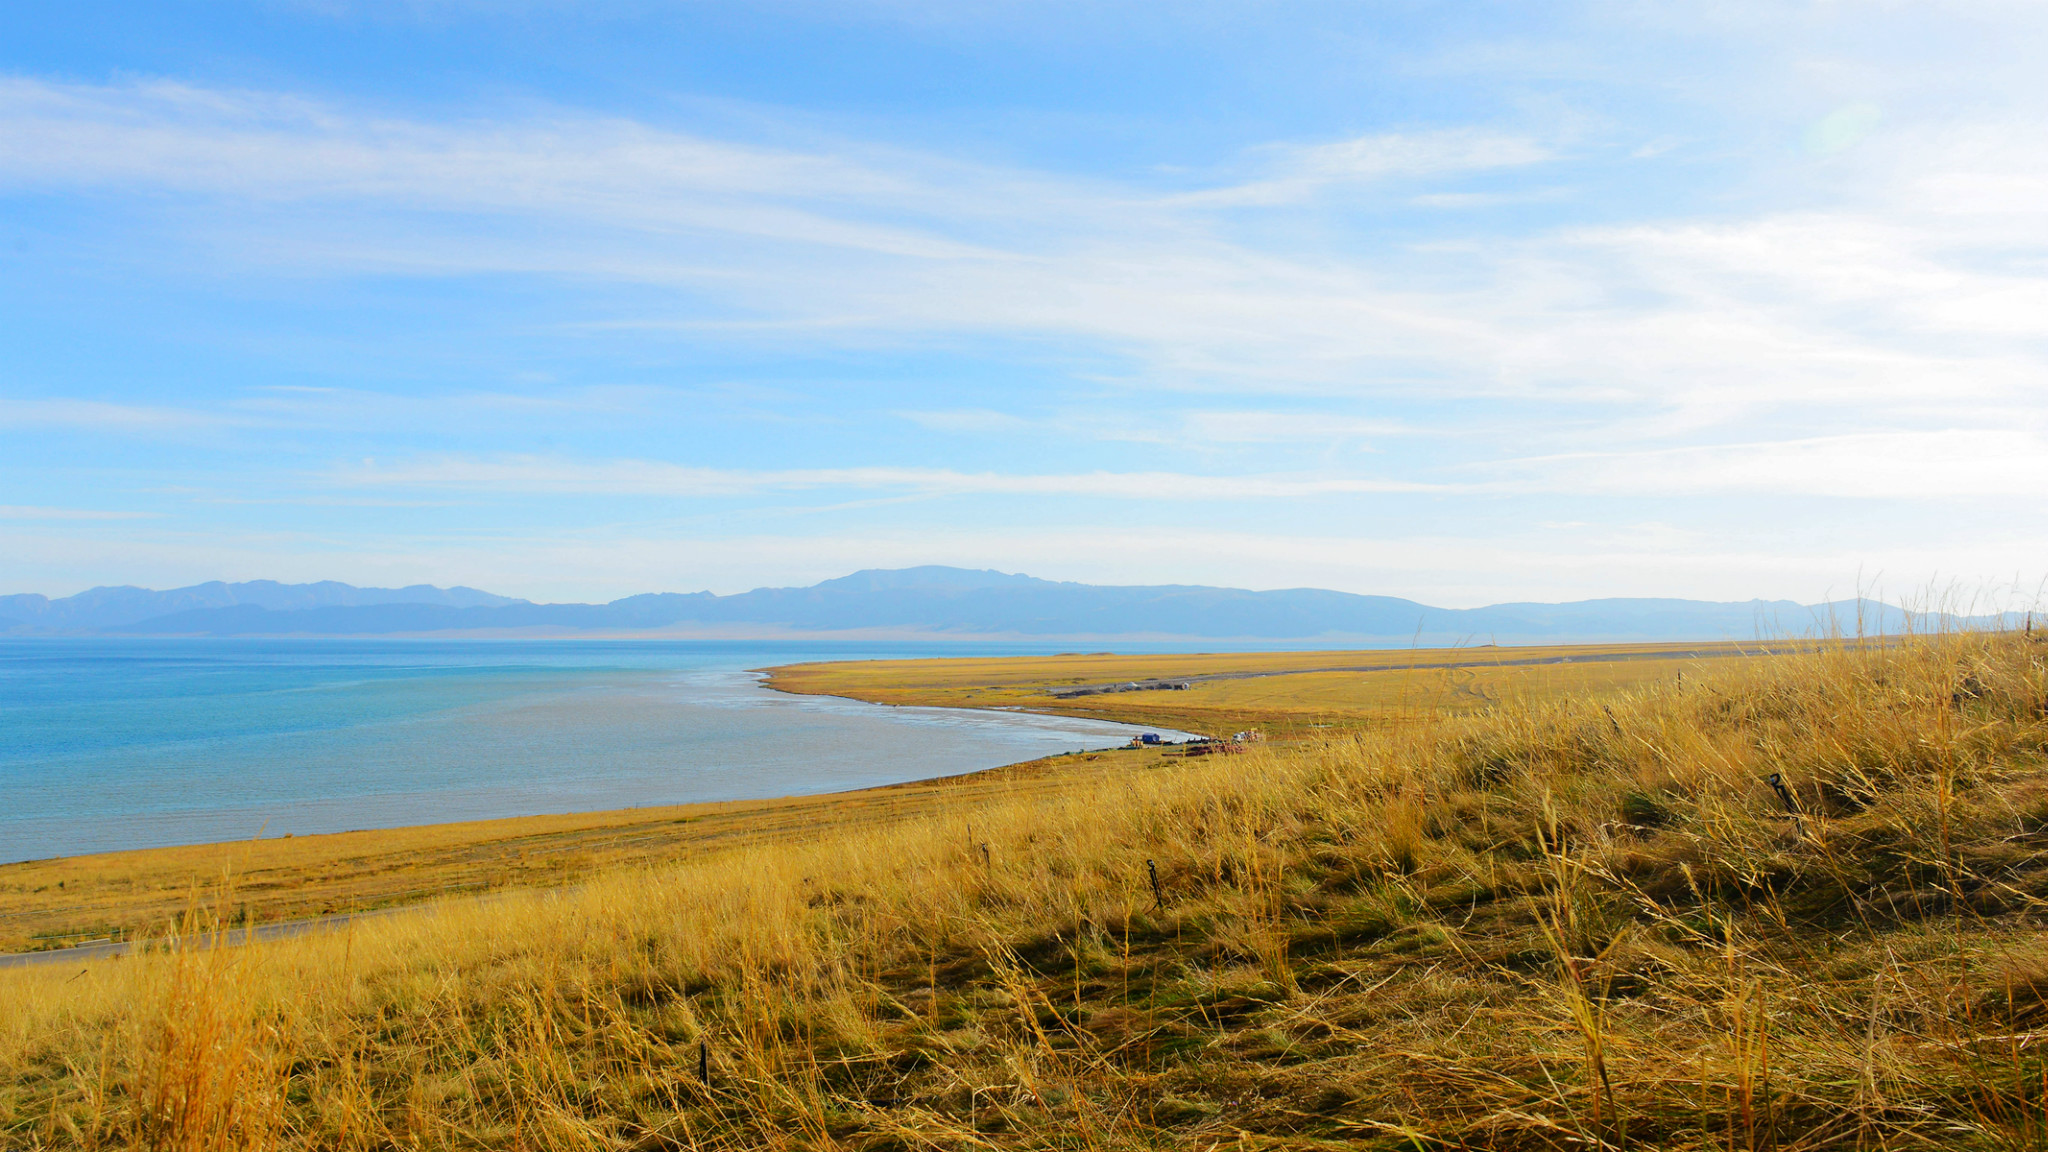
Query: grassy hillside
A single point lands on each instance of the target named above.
(1576, 923)
(133, 895)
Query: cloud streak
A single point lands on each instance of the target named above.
(1003, 250)
(533, 475)
(30, 512)
(1940, 466)
(1882, 301)
(100, 416)
(1303, 171)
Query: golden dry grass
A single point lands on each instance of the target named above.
(1289, 693)
(1580, 923)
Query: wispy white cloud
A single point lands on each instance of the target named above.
(1302, 171)
(536, 475)
(969, 420)
(100, 416)
(1935, 465)
(273, 408)
(269, 149)
(1213, 428)
(1196, 428)
(1465, 200)
(1882, 301)
(30, 512)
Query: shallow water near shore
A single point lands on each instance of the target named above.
(114, 744)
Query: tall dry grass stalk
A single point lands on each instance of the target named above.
(1583, 923)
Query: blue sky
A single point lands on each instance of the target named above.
(1462, 302)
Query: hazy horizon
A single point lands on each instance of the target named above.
(941, 603)
(1865, 594)
(1985, 598)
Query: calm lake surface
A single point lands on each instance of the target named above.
(111, 744)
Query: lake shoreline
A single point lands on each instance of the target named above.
(283, 878)
(111, 745)
(133, 893)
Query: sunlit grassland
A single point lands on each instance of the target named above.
(1583, 921)
(1289, 693)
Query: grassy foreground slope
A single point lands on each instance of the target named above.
(137, 894)
(1580, 923)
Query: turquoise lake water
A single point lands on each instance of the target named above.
(112, 744)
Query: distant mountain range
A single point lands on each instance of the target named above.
(116, 609)
(933, 602)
